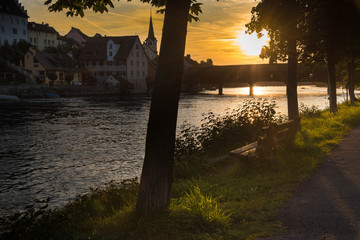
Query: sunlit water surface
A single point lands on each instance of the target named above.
(60, 148)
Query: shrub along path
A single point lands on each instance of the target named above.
(327, 206)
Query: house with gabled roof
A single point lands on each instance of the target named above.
(40, 64)
(122, 57)
(78, 36)
(42, 36)
(13, 22)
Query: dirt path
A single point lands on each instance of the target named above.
(327, 206)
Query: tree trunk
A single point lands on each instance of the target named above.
(351, 70)
(291, 86)
(331, 78)
(157, 173)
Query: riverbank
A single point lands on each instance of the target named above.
(26, 91)
(226, 201)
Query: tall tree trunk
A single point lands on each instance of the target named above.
(331, 78)
(157, 174)
(351, 70)
(291, 86)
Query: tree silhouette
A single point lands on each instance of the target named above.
(157, 173)
(280, 18)
(331, 35)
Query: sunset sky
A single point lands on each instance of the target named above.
(218, 35)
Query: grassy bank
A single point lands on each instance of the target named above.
(230, 200)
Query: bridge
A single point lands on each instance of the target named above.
(250, 74)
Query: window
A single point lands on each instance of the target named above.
(101, 63)
(49, 42)
(143, 63)
(101, 73)
(45, 41)
(61, 76)
(17, 20)
(23, 22)
(110, 46)
(131, 62)
(110, 54)
(14, 31)
(131, 73)
(24, 32)
(31, 39)
(137, 54)
(53, 42)
(34, 40)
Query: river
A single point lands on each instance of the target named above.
(60, 148)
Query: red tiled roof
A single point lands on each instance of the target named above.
(52, 61)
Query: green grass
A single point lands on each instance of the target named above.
(228, 201)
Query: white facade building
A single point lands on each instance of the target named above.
(13, 22)
(122, 57)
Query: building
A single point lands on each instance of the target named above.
(42, 36)
(122, 57)
(78, 36)
(13, 22)
(150, 44)
(41, 64)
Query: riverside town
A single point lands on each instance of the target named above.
(172, 120)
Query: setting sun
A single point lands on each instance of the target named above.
(251, 44)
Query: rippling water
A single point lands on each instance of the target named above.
(59, 148)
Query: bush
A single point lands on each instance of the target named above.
(219, 134)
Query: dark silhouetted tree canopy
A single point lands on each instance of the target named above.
(281, 20)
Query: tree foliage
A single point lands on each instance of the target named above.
(78, 7)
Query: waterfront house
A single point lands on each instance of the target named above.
(122, 57)
(13, 22)
(42, 36)
(41, 64)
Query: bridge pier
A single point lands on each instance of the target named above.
(221, 89)
(251, 89)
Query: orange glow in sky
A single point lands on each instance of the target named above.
(218, 35)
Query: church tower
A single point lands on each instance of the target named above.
(151, 41)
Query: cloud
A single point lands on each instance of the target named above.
(214, 36)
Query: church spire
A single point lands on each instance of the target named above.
(151, 34)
